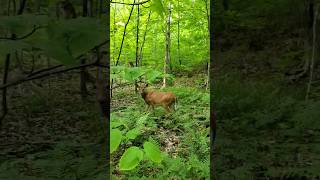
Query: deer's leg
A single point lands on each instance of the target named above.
(148, 107)
(167, 109)
(172, 107)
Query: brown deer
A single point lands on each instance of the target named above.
(164, 99)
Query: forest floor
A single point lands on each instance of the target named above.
(50, 133)
(183, 134)
(266, 129)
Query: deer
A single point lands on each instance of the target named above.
(165, 99)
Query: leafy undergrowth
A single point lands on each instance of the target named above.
(50, 133)
(265, 131)
(180, 139)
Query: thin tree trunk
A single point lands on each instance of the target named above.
(22, 6)
(8, 9)
(144, 38)
(208, 62)
(114, 32)
(137, 45)
(122, 41)
(14, 7)
(83, 71)
(313, 52)
(84, 8)
(114, 44)
(97, 8)
(4, 90)
(90, 8)
(124, 34)
(167, 55)
(179, 32)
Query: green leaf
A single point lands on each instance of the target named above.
(115, 139)
(153, 75)
(132, 74)
(133, 133)
(69, 39)
(22, 23)
(130, 158)
(88, 34)
(157, 6)
(58, 50)
(153, 152)
(142, 120)
(115, 124)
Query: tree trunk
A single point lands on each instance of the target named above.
(122, 41)
(22, 6)
(114, 32)
(208, 61)
(90, 8)
(225, 5)
(14, 7)
(83, 71)
(124, 34)
(137, 45)
(314, 25)
(85, 8)
(144, 38)
(4, 91)
(167, 55)
(179, 32)
(8, 8)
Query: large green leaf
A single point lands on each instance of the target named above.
(153, 152)
(89, 33)
(115, 124)
(153, 75)
(57, 50)
(115, 139)
(133, 133)
(130, 158)
(22, 23)
(67, 39)
(132, 74)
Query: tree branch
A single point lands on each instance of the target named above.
(132, 4)
(24, 36)
(27, 78)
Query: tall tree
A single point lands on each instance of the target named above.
(144, 38)
(166, 66)
(179, 32)
(137, 44)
